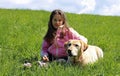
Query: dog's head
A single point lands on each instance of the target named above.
(74, 48)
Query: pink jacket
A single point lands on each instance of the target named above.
(57, 48)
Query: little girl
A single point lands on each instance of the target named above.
(57, 34)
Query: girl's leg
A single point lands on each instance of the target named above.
(50, 56)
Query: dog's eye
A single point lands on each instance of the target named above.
(69, 44)
(76, 45)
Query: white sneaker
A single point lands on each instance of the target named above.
(27, 65)
(42, 64)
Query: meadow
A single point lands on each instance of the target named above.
(22, 32)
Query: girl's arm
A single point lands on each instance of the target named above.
(76, 35)
(44, 48)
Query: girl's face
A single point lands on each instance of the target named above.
(57, 21)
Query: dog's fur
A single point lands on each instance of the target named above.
(80, 52)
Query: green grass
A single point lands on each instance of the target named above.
(21, 35)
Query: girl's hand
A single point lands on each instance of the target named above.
(45, 58)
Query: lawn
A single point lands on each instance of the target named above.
(22, 32)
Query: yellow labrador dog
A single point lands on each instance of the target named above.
(80, 52)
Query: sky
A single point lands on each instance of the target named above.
(99, 7)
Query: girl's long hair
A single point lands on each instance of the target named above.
(51, 32)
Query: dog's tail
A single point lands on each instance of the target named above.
(99, 52)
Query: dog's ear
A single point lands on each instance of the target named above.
(84, 46)
(65, 44)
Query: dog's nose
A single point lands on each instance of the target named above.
(69, 52)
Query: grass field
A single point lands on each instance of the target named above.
(21, 33)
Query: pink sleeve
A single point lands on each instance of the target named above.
(76, 35)
(44, 50)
